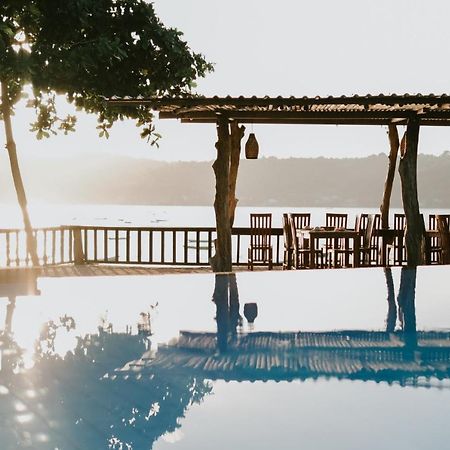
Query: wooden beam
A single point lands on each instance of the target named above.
(393, 152)
(365, 122)
(221, 261)
(336, 115)
(415, 230)
(303, 121)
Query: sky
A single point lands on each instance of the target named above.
(287, 47)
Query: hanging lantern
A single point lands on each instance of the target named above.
(251, 147)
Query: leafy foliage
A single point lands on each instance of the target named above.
(89, 50)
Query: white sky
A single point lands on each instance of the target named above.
(289, 47)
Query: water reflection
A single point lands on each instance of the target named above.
(113, 390)
(400, 354)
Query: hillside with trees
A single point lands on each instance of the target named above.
(264, 182)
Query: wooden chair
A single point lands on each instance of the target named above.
(335, 220)
(301, 254)
(366, 250)
(399, 221)
(435, 250)
(398, 247)
(297, 221)
(301, 220)
(361, 222)
(260, 250)
(444, 237)
(288, 243)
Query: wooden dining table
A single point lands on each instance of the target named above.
(314, 235)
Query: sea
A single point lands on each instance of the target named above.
(48, 215)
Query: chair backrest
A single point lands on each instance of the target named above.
(399, 221)
(336, 220)
(287, 231)
(301, 220)
(361, 222)
(432, 220)
(367, 236)
(444, 236)
(261, 229)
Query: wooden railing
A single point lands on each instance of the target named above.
(54, 246)
(175, 246)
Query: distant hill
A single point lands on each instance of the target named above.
(267, 181)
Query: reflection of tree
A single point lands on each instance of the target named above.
(82, 401)
(391, 318)
(226, 298)
(406, 305)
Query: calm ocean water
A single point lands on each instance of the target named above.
(141, 215)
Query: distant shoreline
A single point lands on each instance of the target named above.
(270, 182)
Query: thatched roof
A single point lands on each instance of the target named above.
(380, 109)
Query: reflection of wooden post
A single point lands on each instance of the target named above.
(394, 143)
(415, 230)
(220, 298)
(406, 302)
(78, 246)
(391, 318)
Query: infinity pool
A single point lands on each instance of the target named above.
(329, 359)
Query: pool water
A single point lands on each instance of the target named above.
(342, 359)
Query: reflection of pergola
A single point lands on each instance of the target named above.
(354, 354)
(227, 113)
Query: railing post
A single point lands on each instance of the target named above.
(78, 246)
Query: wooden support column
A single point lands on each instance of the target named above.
(237, 133)
(221, 261)
(415, 232)
(393, 152)
(79, 257)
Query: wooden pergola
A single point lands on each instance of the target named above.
(229, 113)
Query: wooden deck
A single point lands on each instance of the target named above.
(105, 270)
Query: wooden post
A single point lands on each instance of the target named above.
(394, 144)
(237, 133)
(78, 247)
(221, 261)
(415, 232)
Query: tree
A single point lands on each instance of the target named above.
(87, 50)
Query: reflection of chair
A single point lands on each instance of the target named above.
(260, 250)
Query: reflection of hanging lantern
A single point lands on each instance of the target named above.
(251, 147)
(250, 312)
